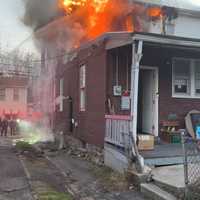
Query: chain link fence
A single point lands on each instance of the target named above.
(191, 149)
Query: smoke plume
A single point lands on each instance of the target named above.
(39, 12)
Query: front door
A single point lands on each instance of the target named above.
(149, 101)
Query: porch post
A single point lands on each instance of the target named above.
(136, 57)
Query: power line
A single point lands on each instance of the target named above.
(22, 42)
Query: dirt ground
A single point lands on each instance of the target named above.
(90, 182)
(13, 181)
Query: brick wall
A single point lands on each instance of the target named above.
(91, 123)
(168, 104)
(162, 57)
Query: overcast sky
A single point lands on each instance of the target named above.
(12, 31)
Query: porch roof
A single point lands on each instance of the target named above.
(118, 39)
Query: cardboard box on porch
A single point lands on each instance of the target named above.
(145, 142)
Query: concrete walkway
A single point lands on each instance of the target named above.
(170, 175)
(13, 182)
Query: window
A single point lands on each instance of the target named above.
(16, 94)
(61, 94)
(2, 94)
(197, 77)
(82, 80)
(186, 78)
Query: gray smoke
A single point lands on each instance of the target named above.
(39, 12)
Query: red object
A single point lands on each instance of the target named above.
(126, 93)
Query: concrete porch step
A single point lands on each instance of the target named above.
(170, 178)
(154, 192)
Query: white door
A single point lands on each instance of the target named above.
(149, 101)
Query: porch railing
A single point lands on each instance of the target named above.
(117, 129)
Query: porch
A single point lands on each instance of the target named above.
(147, 80)
(118, 139)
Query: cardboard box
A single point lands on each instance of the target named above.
(146, 142)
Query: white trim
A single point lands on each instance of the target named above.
(173, 40)
(156, 70)
(136, 57)
(186, 97)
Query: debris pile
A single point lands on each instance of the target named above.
(87, 152)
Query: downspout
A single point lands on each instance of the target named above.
(135, 68)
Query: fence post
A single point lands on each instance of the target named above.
(185, 163)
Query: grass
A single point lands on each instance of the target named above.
(23, 146)
(45, 192)
(53, 195)
(111, 179)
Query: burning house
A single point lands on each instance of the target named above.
(111, 68)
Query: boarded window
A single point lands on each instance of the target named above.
(82, 80)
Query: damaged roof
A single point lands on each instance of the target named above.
(192, 5)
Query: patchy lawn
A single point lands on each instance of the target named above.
(112, 180)
(50, 194)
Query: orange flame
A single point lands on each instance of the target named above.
(99, 16)
(155, 12)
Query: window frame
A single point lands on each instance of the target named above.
(192, 86)
(82, 87)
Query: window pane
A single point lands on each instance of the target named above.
(2, 94)
(82, 99)
(82, 76)
(181, 69)
(16, 94)
(82, 87)
(197, 76)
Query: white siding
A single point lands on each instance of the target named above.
(184, 26)
(187, 26)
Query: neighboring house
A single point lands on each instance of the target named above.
(13, 95)
(158, 70)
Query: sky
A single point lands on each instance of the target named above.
(12, 30)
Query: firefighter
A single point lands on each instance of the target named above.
(12, 125)
(4, 127)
